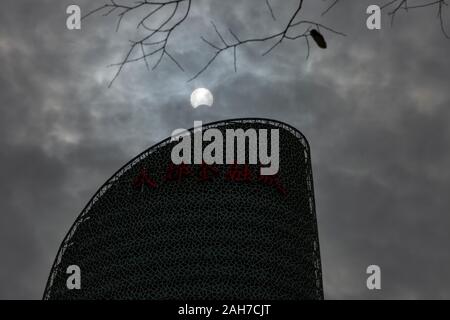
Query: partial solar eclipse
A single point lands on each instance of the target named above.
(201, 97)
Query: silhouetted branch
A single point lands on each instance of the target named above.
(288, 33)
(270, 10)
(396, 5)
(155, 41)
(330, 7)
(164, 30)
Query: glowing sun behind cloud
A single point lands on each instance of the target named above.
(201, 97)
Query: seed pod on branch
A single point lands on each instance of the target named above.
(318, 38)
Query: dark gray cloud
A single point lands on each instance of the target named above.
(374, 106)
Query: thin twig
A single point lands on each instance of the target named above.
(397, 5)
(330, 7)
(164, 29)
(269, 6)
(286, 33)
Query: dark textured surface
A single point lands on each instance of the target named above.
(194, 239)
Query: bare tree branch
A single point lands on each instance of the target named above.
(288, 33)
(155, 42)
(330, 7)
(164, 30)
(270, 10)
(396, 5)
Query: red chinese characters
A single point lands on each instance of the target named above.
(208, 173)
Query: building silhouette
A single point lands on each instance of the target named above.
(159, 231)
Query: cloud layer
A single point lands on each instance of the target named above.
(374, 106)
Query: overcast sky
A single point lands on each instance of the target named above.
(375, 107)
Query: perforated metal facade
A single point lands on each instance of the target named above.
(155, 231)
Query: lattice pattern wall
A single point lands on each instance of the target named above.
(188, 238)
